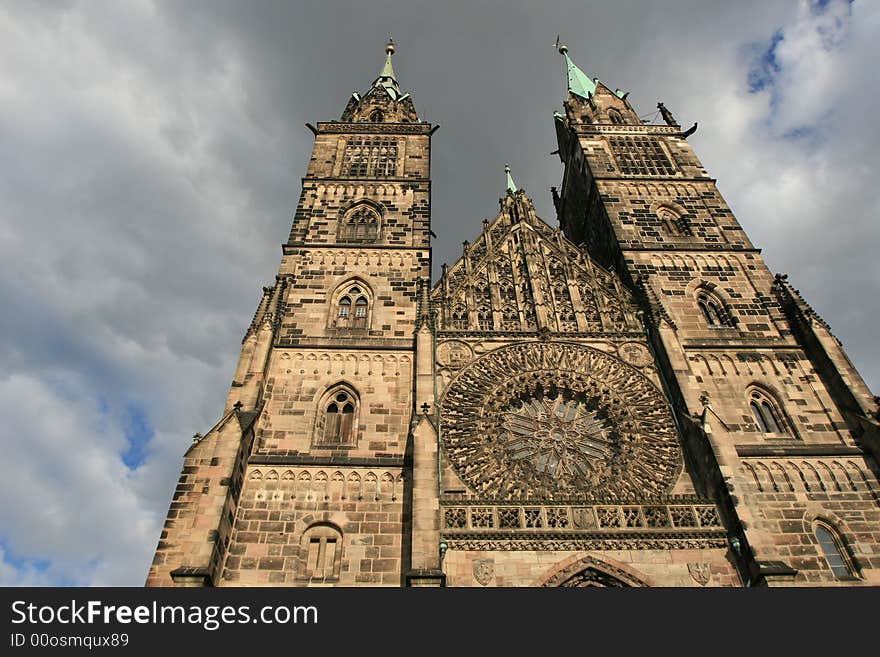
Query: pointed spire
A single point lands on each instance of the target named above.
(386, 77)
(579, 83)
(511, 186)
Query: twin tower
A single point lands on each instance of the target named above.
(631, 399)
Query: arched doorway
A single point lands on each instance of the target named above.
(590, 572)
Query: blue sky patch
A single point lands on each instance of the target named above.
(20, 563)
(764, 71)
(138, 432)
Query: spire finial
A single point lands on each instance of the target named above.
(511, 186)
(386, 77)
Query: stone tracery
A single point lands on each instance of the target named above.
(555, 420)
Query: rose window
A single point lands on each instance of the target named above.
(559, 438)
(558, 421)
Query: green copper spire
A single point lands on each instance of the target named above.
(511, 186)
(386, 77)
(578, 81)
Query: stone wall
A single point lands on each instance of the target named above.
(298, 379)
(695, 567)
(361, 509)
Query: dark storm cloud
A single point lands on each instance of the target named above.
(150, 157)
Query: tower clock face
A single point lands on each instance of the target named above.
(558, 420)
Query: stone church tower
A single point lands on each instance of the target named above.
(631, 399)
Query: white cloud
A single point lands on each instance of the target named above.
(125, 277)
(75, 505)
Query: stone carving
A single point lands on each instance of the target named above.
(618, 129)
(454, 354)
(348, 258)
(590, 577)
(813, 475)
(583, 517)
(592, 572)
(558, 436)
(530, 268)
(342, 363)
(599, 543)
(484, 571)
(477, 517)
(635, 354)
(314, 484)
(394, 128)
(701, 572)
(549, 420)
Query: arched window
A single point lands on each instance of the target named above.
(713, 310)
(672, 222)
(360, 312)
(360, 224)
(834, 550)
(321, 552)
(338, 425)
(345, 308)
(767, 414)
(377, 116)
(615, 117)
(352, 309)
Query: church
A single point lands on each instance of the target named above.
(631, 398)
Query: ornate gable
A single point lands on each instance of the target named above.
(384, 102)
(521, 275)
(378, 106)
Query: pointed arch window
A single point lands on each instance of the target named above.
(360, 224)
(352, 308)
(713, 310)
(835, 551)
(338, 425)
(615, 117)
(345, 308)
(672, 222)
(767, 414)
(361, 306)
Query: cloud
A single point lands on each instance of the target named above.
(127, 267)
(800, 68)
(72, 489)
(800, 180)
(150, 156)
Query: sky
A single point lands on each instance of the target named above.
(150, 163)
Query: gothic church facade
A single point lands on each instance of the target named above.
(630, 399)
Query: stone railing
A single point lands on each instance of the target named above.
(541, 518)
